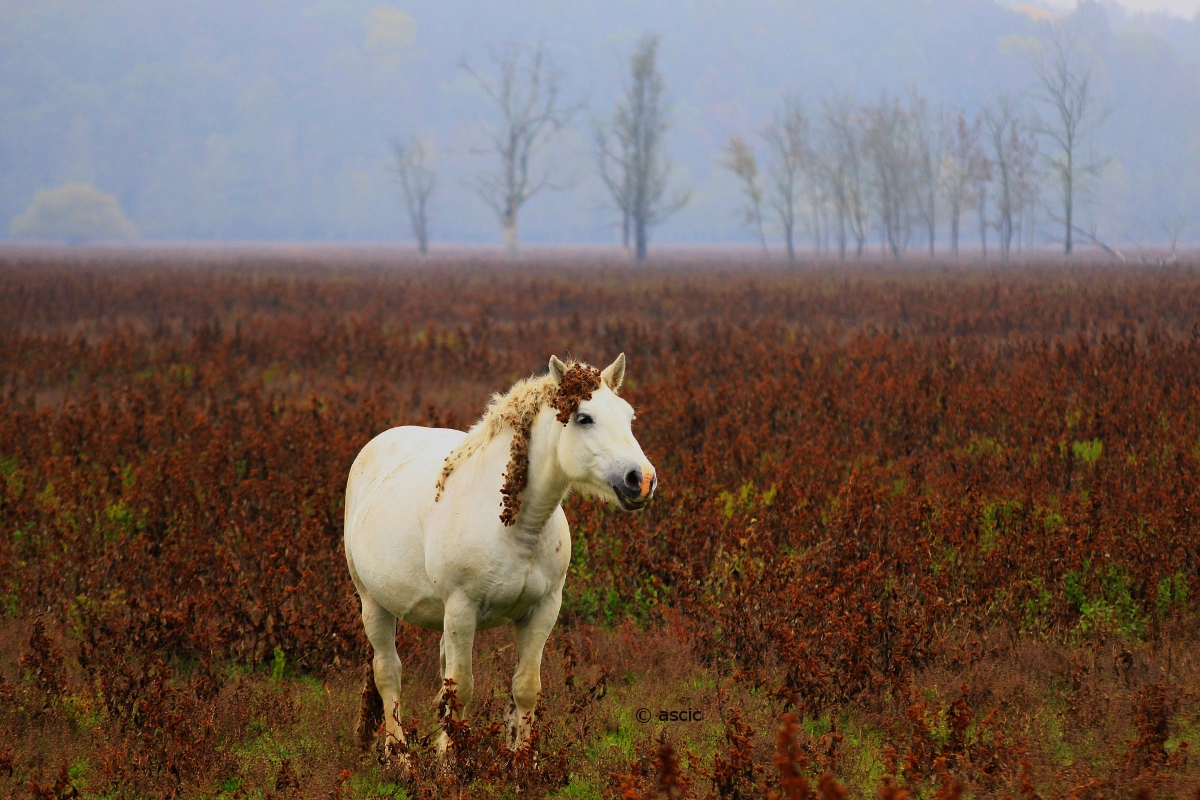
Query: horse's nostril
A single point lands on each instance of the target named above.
(633, 479)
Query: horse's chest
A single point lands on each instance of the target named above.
(512, 594)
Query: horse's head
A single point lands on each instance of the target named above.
(597, 450)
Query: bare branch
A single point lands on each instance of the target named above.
(738, 158)
(1064, 88)
(526, 92)
(1013, 148)
(891, 152)
(1174, 228)
(840, 166)
(966, 168)
(418, 180)
(931, 136)
(787, 139)
(1090, 235)
(630, 149)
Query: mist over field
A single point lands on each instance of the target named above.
(258, 121)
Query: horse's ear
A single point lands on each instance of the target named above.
(614, 374)
(557, 369)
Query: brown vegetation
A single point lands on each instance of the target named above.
(924, 533)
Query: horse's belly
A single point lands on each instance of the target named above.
(397, 581)
(502, 605)
(426, 612)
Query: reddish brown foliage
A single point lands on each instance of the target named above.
(516, 476)
(791, 763)
(578, 383)
(865, 476)
(670, 780)
(43, 664)
(370, 709)
(61, 789)
(830, 789)
(1154, 709)
(733, 773)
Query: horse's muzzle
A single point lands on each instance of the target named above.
(636, 490)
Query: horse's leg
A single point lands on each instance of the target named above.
(532, 632)
(458, 639)
(381, 631)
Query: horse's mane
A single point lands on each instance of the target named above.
(516, 410)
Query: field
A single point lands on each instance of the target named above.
(925, 529)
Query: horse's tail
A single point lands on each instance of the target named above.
(370, 709)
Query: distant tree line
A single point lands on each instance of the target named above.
(901, 170)
(203, 131)
(898, 169)
(524, 90)
(896, 172)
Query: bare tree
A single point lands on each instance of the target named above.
(614, 148)
(526, 91)
(889, 148)
(981, 198)
(1026, 179)
(631, 151)
(998, 121)
(1174, 228)
(841, 168)
(930, 139)
(1013, 150)
(787, 139)
(414, 168)
(1064, 87)
(965, 167)
(739, 159)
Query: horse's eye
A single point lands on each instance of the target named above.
(583, 419)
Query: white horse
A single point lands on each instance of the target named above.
(460, 532)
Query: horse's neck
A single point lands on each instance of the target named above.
(547, 484)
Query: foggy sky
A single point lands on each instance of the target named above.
(1182, 8)
(256, 120)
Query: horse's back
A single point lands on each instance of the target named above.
(406, 448)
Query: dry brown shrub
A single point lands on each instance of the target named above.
(947, 502)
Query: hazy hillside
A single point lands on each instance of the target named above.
(267, 120)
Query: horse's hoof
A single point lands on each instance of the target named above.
(396, 759)
(401, 765)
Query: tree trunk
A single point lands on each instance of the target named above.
(510, 238)
(1069, 197)
(954, 234)
(816, 223)
(827, 225)
(983, 225)
(841, 235)
(640, 238)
